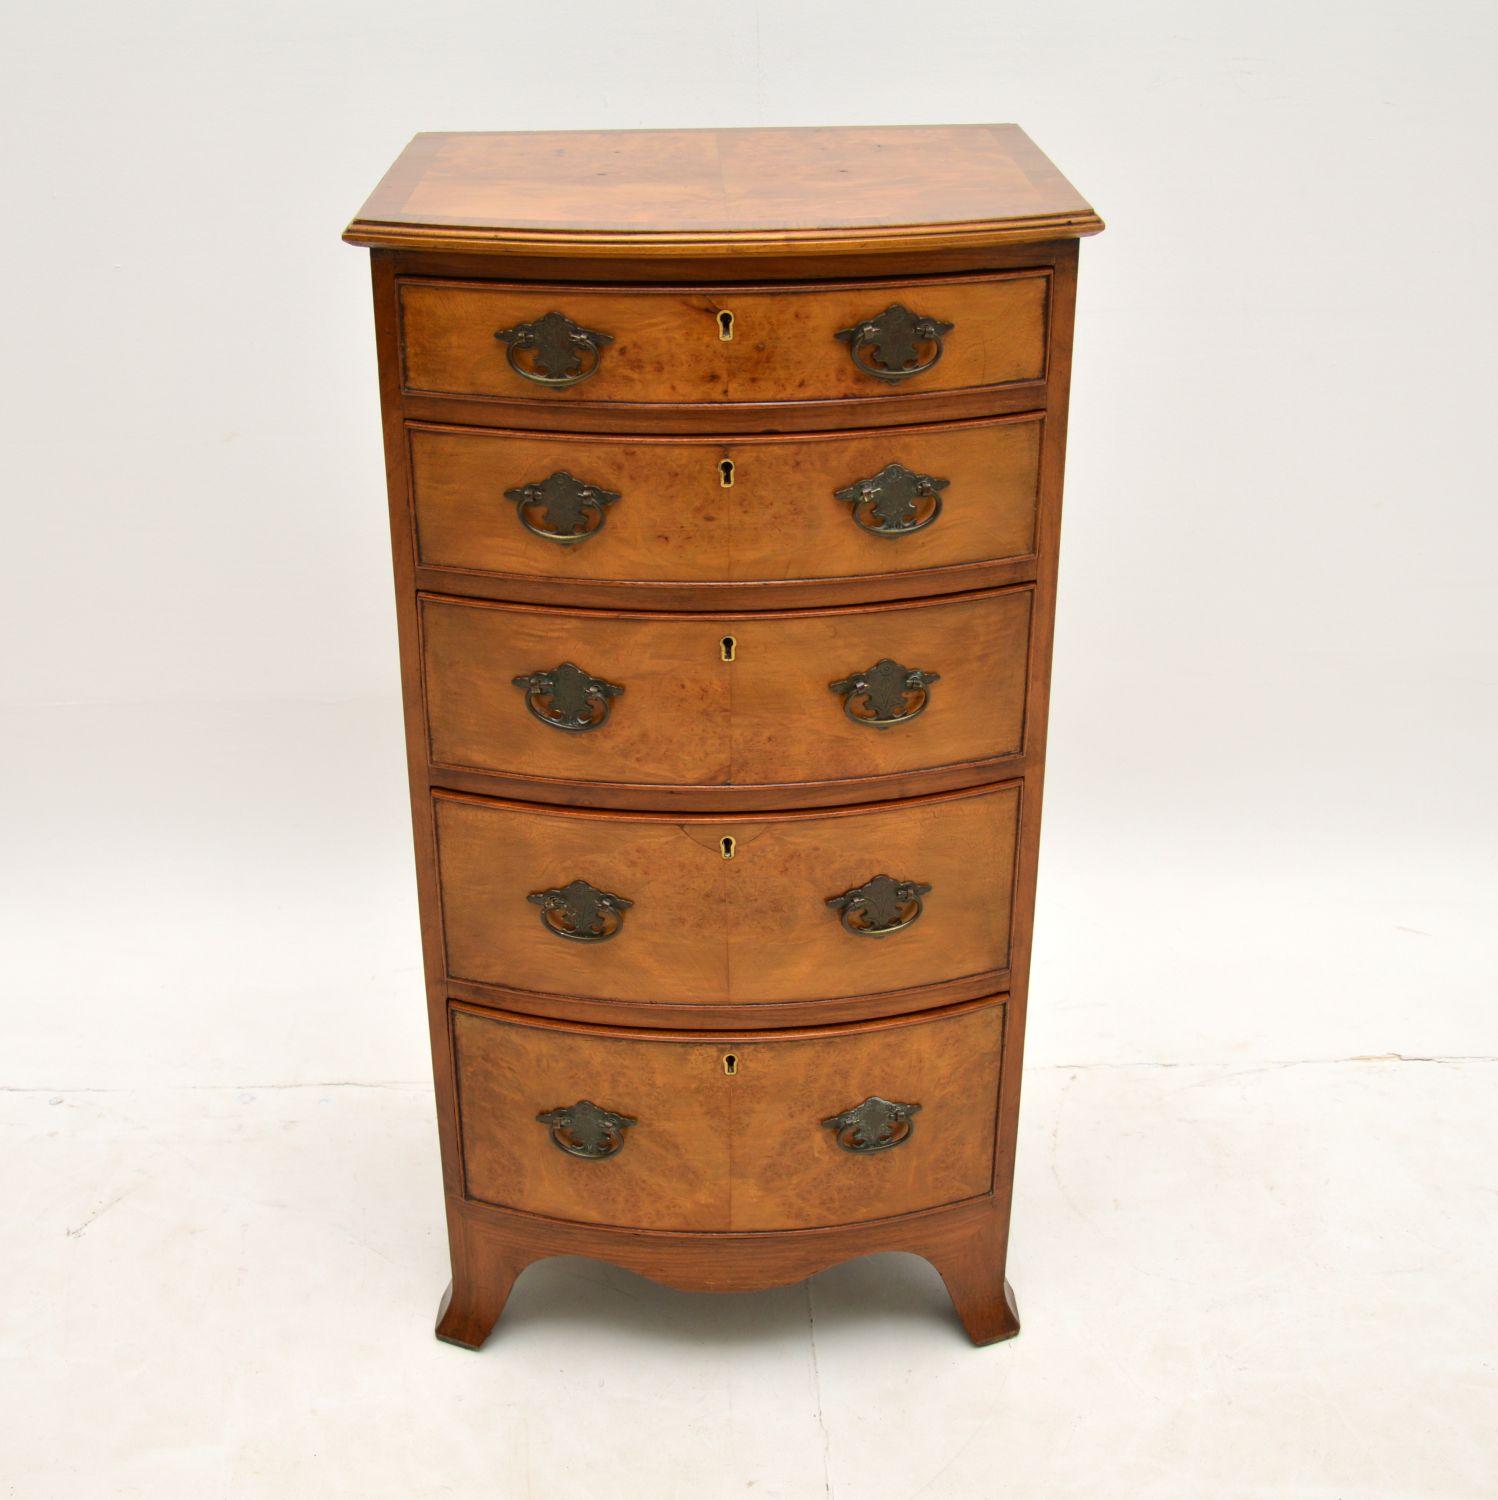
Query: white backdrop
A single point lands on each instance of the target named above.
(1271, 825)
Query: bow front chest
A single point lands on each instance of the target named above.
(725, 486)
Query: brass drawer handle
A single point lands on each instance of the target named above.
(880, 906)
(895, 340)
(875, 1125)
(562, 509)
(885, 693)
(584, 1129)
(568, 698)
(557, 346)
(580, 912)
(894, 502)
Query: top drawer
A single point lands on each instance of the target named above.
(690, 345)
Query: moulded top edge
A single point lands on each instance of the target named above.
(730, 192)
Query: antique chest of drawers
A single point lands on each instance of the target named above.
(725, 486)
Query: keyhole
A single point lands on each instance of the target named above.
(728, 646)
(730, 1064)
(725, 326)
(725, 473)
(728, 846)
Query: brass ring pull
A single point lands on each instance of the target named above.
(557, 347)
(580, 912)
(562, 509)
(880, 906)
(584, 1129)
(885, 694)
(895, 340)
(875, 1125)
(568, 698)
(895, 502)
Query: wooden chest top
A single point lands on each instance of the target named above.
(730, 192)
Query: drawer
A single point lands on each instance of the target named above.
(652, 699)
(709, 910)
(652, 1130)
(685, 345)
(725, 510)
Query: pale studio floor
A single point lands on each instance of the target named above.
(1254, 1243)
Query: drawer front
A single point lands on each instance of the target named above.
(651, 700)
(667, 345)
(652, 1130)
(676, 510)
(757, 909)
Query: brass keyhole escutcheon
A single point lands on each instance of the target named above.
(725, 473)
(730, 1063)
(728, 646)
(725, 326)
(727, 845)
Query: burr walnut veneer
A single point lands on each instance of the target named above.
(725, 488)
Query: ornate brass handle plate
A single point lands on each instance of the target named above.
(580, 911)
(885, 694)
(560, 352)
(890, 346)
(568, 698)
(561, 508)
(880, 906)
(586, 1130)
(894, 502)
(875, 1125)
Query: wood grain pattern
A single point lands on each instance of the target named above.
(779, 520)
(644, 796)
(711, 1151)
(787, 1170)
(737, 1015)
(687, 717)
(720, 419)
(708, 265)
(651, 194)
(666, 346)
(751, 928)
(874, 208)
(968, 1272)
(673, 1170)
(492, 1246)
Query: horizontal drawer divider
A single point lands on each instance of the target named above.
(730, 799)
(739, 419)
(709, 1035)
(735, 1017)
(893, 430)
(705, 817)
(683, 616)
(701, 598)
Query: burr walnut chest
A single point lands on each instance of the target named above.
(725, 488)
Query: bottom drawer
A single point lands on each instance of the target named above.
(768, 1130)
